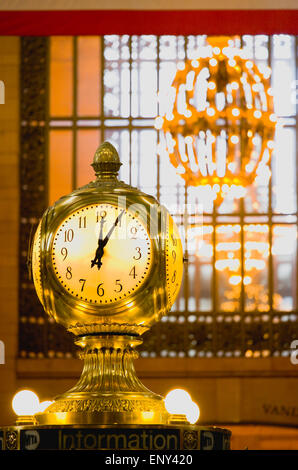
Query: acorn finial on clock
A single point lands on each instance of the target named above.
(106, 161)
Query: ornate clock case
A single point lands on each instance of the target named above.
(108, 390)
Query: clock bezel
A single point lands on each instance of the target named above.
(60, 213)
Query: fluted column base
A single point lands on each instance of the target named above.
(108, 391)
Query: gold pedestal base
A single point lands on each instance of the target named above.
(108, 391)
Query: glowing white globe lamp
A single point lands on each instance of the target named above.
(193, 413)
(25, 404)
(176, 401)
(44, 405)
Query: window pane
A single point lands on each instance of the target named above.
(284, 251)
(228, 267)
(144, 76)
(256, 252)
(60, 165)
(284, 172)
(87, 143)
(61, 76)
(283, 74)
(200, 255)
(88, 74)
(116, 76)
(121, 141)
(144, 161)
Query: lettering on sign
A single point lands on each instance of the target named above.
(32, 439)
(281, 410)
(139, 439)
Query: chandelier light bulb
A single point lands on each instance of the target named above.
(235, 112)
(25, 403)
(234, 86)
(234, 139)
(210, 111)
(158, 122)
(188, 113)
(195, 63)
(188, 139)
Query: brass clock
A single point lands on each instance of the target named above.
(107, 263)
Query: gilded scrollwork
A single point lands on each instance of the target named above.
(113, 405)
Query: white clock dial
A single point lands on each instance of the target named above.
(101, 253)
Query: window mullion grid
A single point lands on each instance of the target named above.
(158, 132)
(242, 266)
(130, 109)
(102, 72)
(46, 331)
(296, 123)
(270, 210)
(185, 224)
(74, 112)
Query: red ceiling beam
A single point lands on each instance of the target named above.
(184, 22)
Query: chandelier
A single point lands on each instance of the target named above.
(218, 124)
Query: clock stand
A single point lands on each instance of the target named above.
(109, 408)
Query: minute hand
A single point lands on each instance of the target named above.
(107, 237)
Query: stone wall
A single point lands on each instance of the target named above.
(9, 204)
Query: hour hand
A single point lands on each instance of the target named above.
(98, 256)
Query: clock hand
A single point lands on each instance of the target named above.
(106, 239)
(99, 252)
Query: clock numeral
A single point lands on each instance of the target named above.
(68, 235)
(174, 277)
(133, 231)
(120, 287)
(64, 253)
(133, 272)
(83, 284)
(82, 222)
(100, 290)
(101, 215)
(68, 273)
(174, 240)
(174, 255)
(139, 254)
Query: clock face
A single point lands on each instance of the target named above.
(101, 254)
(174, 261)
